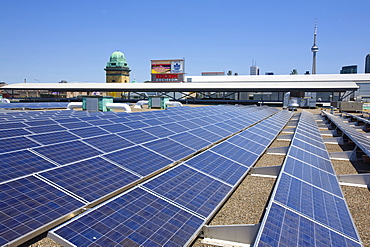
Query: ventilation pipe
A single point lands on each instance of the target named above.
(174, 103)
(4, 100)
(72, 105)
(140, 103)
(123, 106)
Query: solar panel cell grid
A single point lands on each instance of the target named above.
(133, 219)
(21, 163)
(89, 132)
(190, 188)
(235, 153)
(137, 136)
(139, 159)
(159, 131)
(54, 137)
(218, 167)
(13, 133)
(205, 134)
(16, 143)
(190, 140)
(311, 159)
(177, 128)
(46, 128)
(312, 175)
(68, 152)
(301, 231)
(108, 143)
(77, 125)
(313, 193)
(169, 148)
(29, 203)
(136, 124)
(41, 122)
(13, 125)
(88, 179)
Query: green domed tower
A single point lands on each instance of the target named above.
(117, 70)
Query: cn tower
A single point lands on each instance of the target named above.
(314, 49)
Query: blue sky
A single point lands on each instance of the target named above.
(72, 39)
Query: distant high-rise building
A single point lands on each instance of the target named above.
(314, 50)
(254, 70)
(351, 69)
(367, 63)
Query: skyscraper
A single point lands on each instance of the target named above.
(314, 49)
(254, 70)
(367, 63)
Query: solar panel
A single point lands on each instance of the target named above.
(136, 124)
(13, 133)
(235, 153)
(63, 119)
(54, 137)
(153, 122)
(28, 204)
(189, 124)
(21, 163)
(177, 128)
(137, 136)
(219, 131)
(286, 228)
(12, 125)
(91, 179)
(132, 219)
(312, 159)
(190, 140)
(191, 189)
(67, 152)
(313, 175)
(115, 128)
(77, 125)
(108, 143)
(89, 132)
(316, 204)
(159, 131)
(46, 128)
(139, 159)
(98, 122)
(169, 148)
(218, 167)
(40, 122)
(205, 134)
(16, 143)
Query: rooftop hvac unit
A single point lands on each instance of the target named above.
(96, 103)
(158, 102)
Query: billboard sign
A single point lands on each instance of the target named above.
(167, 70)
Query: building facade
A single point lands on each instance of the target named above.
(351, 69)
(254, 70)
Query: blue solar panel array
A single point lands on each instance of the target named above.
(307, 207)
(195, 189)
(80, 153)
(35, 106)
